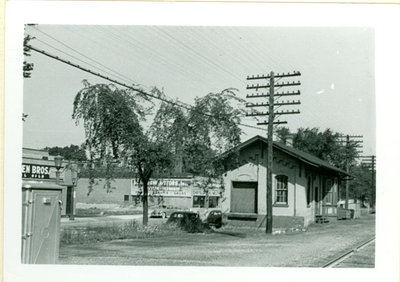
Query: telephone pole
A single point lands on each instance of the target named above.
(271, 121)
(370, 162)
(352, 141)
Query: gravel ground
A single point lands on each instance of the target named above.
(313, 248)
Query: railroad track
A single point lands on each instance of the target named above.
(347, 254)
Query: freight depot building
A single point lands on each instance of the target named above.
(304, 186)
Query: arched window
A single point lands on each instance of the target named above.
(281, 189)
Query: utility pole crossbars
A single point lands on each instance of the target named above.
(271, 121)
(277, 94)
(350, 141)
(275, 122)
(370, 162)
(251, 105)
(276, 113)
(276, 75)
(256, 87)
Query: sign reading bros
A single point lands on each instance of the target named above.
(35, 171)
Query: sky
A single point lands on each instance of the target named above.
(336, 65)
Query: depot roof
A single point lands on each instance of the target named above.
(300, 155)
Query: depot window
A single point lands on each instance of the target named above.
(329, 191)
(281, 189)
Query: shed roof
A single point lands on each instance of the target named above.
(300, 155)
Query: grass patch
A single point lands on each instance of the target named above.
(114, 231)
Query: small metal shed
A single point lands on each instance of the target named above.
(41, 217)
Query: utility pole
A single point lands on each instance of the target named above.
(271, 121)
(373, 181)
(370, 162)
(351, 142)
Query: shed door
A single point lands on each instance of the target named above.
(46, 226)
(244, 197)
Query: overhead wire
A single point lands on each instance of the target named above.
(188, 47)
(47, 44)
(116, 73)
(241, 58)
(114, 48)
(175, 103)
(72, 56)
(153, 52)
(261, 53)
(240, 124)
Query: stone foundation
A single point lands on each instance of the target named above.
(259, 221)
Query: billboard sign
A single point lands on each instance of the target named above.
(178, 187)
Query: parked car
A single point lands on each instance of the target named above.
(214, 218)
(163, 211)
(187, 220)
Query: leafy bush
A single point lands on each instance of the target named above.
(191, 226)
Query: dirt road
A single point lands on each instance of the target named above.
(312, 248)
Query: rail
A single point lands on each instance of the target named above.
(347, 254)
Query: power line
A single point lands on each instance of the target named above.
(72, 56)
(107, 78)
(198, 53)
(153, 52)
(126, 37)
(83, 55)
(178, 103)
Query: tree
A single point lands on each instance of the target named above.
(113, 120)
(283, 133)
(209, 128)
(360, 187)
(328, 146)
(71, 152)
(325, 145)
(27, 67)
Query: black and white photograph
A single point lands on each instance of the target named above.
(199, 142)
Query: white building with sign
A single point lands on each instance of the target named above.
(39, 167)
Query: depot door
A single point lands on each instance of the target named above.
(317, 201)
(244, 197)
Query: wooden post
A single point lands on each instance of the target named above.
(294, 189)
(268, 229)
(373, 182)
(346, 203)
